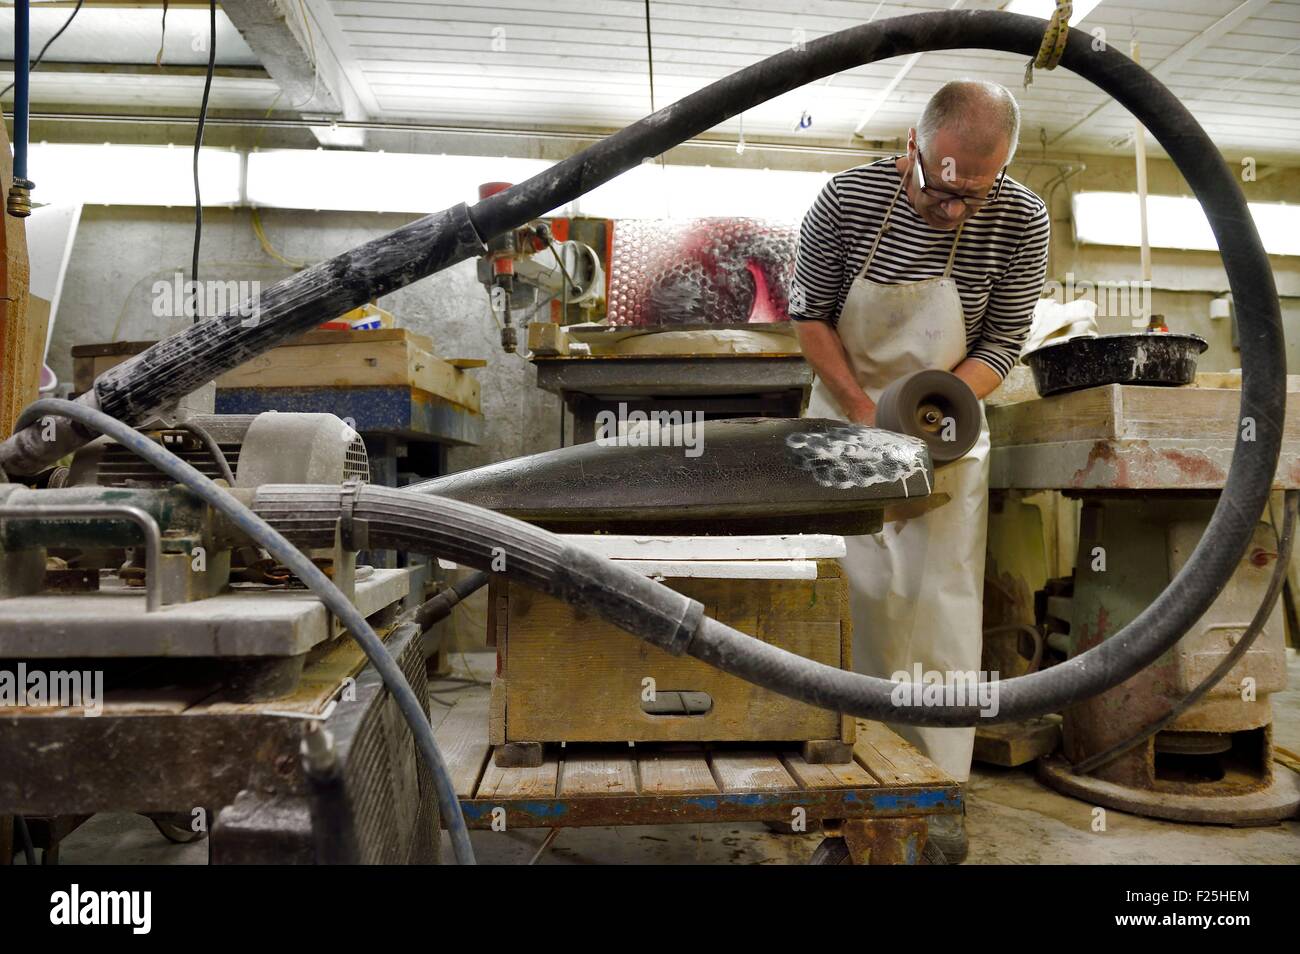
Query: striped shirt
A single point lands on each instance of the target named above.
(999, 269)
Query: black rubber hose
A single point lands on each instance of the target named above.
(473, 536)
(247, 522)
(439, 606)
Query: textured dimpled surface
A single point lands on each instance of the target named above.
(698, 271)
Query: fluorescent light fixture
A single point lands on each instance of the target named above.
(1111, 218)
(375, 181)
(1043, 9)
(639, 193)
(111, 174)
(353, 181)
(653, 191)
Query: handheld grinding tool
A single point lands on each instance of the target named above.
(935, 406)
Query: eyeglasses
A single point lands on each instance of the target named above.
(971, 202)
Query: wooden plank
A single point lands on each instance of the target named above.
(1017, 743)
(539, 782)
(674, 773)
(788, 546)
(850, 775)
(848, 724)
(22, 326)
(547, 338)
(750, 772)
(384, 357)
(596, 774)
(360, 363)
(724, 569)
(891, 760)
(327, 666)
(497, 712)
(1128, 412)
(1092, 413)
(463, 741)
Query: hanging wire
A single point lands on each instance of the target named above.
(198, 143)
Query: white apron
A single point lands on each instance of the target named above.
(916, 588)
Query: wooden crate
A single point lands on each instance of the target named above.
(565, 675)
(383, 357)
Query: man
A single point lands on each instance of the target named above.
(932, 259)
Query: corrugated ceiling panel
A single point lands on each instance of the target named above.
(99, 35)
(582, 63)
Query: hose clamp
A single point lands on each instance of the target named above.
(354, 533)
(680, 642)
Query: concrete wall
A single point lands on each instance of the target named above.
(1184, 282)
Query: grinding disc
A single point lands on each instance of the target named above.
(936, 406)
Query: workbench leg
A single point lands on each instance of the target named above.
(439, 663)
(7, 839)
(884, 841)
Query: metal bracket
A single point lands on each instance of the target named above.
(147, 524)
(354, 534)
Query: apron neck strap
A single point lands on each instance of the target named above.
(952, 255)
(884, 227)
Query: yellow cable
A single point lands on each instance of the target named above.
(1055, 36)
(265, 242)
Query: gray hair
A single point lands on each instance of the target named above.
(982, 113)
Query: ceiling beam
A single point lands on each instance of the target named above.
(302, 62)
(142, 69)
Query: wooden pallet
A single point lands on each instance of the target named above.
(590, 784)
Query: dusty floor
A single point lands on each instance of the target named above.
(1012, 819)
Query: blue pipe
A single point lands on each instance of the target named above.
(22, 74)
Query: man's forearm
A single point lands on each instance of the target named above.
(824, 351)
(982, 379)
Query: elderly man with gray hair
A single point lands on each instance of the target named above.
(931, 259)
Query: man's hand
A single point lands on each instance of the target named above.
(982, 379)
(824, 351)
(864, 414)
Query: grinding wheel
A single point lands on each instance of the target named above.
(936, 406)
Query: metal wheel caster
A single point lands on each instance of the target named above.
(831, 851)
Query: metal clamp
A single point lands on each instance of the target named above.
(147, 524)
(354, 533)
